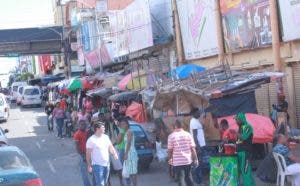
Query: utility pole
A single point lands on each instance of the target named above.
(219, 32)
(276, 43)
(178, 38)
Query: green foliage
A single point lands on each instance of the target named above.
(26, 76)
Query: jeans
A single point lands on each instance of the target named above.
(186, 169)
(83, 171)
(101, 174)
(197, 171)
(59, 123)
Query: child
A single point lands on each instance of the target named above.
(227, 137)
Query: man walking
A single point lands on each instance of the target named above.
(244, 148)
(98, 147)
(292, 161)
(182, 153)
(80, 138)
(196, 130)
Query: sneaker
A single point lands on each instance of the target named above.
(58, 138)
(62, 138)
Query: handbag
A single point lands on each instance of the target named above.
(116, 164)
(125, 172)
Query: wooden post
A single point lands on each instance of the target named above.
(219, 32)
(179, 47)
(276, 43)
(291, 96)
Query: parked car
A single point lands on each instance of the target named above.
(3, 138)
(19, 95)
(142, 144)
(4, 108)
(14, 89)
(32, 95)
(16, 168)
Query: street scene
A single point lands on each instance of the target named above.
(150, 92)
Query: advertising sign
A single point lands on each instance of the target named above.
(45, 63)
(86, 37)
(290, 19)
(198, 28)
(246, 24)
(224, 171)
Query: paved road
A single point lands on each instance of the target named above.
(56, 160)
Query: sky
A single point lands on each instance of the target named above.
(22, 14)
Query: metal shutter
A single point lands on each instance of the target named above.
(263, 100)
(296, 76)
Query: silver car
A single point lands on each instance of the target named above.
(4, 108)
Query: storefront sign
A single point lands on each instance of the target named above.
(290, 19)
(85, 37)
(246, 24)
(198, 28)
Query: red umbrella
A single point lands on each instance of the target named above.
(263, 127)
(88, 83)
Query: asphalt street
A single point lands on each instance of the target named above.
(56, 160)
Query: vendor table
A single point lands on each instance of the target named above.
(224, 170)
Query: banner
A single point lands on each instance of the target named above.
(85, 37)
(246, 24)
(198, 28)
(290, 19)
(45, 63)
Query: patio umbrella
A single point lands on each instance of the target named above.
(87, 83)
(185, 71)
(135, 81)
(180, 99)
(74, 84)
(101, 92)
(63, 84)
(263, 127)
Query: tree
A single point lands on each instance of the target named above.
(26, 76)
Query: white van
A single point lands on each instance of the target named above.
(32, 95)
(19, 95)
(14, 89)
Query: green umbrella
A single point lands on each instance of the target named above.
(75, 84)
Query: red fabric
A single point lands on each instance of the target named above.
(227, 134)
(136, 112)
(263, 128)
(81, 137)
(63, 104)
(45, 63)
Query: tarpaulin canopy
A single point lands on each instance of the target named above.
(136, 81)
(263, 127)
(185, 71)
(74, 84)
(101, 92)
(136, 112)
(125, 96)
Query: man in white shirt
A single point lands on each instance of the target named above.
(98, 147)
(197, 131)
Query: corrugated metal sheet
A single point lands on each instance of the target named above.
(296, 76)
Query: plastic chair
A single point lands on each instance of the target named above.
(282, 170)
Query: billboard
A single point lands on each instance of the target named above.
(246, 24)
(290, 19)
(198, 28)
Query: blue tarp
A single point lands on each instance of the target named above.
(185, 71)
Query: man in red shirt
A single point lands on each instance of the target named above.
(228, 138)
(80, 138)
(182, 153)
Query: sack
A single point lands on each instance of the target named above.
(116, 164)
(125, 173)
(161, 153)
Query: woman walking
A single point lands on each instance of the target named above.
(130, 164)
(59, 115)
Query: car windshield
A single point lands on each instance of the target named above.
(1, 101)
(138, 131)
(12, 160)
(32, 92)
(15, 88)
(20, 90)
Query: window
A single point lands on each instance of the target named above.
(1, 101)
(32, 92)
(21, 90)
(12, 160)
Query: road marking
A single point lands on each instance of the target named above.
(51, 166)
(38, 144)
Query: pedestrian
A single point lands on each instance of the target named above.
(292, 161)
(182, 153)
(83, 115)
(68, 123)
(197, 131)
(88, 105)
(244, 148)
(80, 138)
(97, 154)
(49, 109)
(59, 115)
(130, 159)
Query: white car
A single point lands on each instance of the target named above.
(14, 89)
(3, 138)
(32, 95)
(4, 108)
